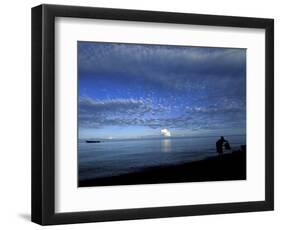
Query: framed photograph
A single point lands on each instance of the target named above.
(142, 114)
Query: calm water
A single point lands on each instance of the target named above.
(114, 157)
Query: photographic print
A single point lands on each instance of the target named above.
(180, 101)
(160, 114)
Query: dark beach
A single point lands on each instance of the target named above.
(218, 168)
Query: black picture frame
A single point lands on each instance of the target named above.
(43, 114)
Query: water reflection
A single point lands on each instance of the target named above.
(166, 145)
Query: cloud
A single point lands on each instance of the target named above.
(98, 113)
(172, 67)
(88, 105)
(96, 57)
(191, 88)
(131, 112)
(165, 132)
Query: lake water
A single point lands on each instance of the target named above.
(115, 157)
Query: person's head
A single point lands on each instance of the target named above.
(222, 138)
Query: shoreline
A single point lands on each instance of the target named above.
(216, 168)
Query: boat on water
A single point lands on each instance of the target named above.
(89, 141)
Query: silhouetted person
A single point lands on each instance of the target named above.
(220, 143)
(227, 146)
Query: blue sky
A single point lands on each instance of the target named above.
(135, 90)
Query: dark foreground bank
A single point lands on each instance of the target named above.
(218, 168)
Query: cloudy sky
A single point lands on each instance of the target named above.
(136, 90)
